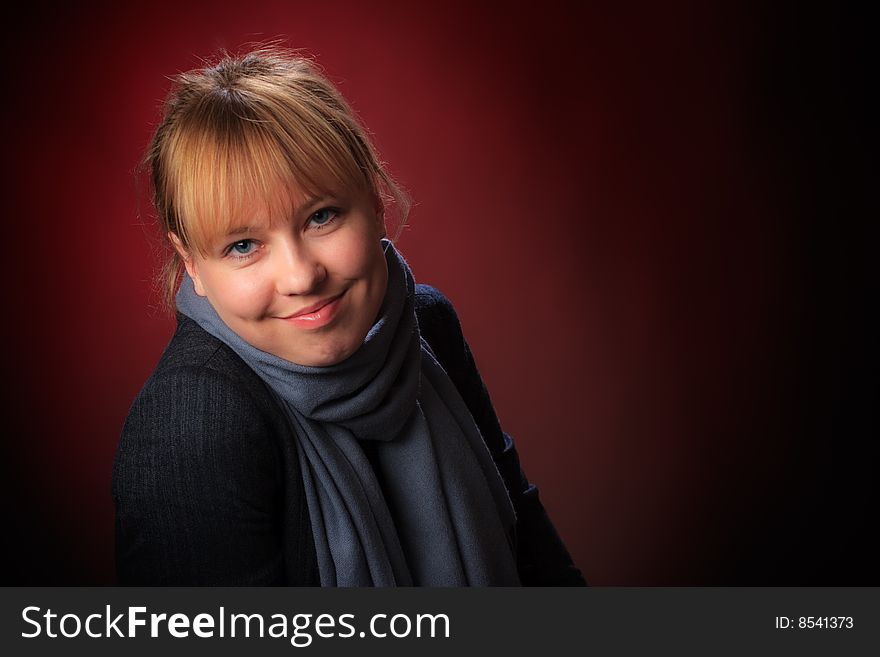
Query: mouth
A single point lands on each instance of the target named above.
(316, 315)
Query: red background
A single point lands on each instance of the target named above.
(641, 215)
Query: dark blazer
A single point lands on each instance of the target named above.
(207, 483)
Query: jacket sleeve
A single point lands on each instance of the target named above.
(542, 558)
(196, 484)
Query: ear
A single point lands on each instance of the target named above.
(188, 262)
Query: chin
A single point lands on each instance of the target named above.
(327, 355)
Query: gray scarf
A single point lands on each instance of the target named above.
(441, 515)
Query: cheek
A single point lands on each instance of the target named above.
(358, 258)
(242, 296)
(374, 271)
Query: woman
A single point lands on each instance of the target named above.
(317, 418)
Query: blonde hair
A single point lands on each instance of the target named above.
(243, 129)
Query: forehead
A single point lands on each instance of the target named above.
(214, 206)
(281, 208)
(219, 184)
(252, 210)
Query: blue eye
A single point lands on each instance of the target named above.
(323, 217)
(242, 248)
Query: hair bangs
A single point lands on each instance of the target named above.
(220, 180)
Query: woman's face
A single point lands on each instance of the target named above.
(306, 288)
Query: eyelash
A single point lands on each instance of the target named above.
(334, 214)
(240, 257)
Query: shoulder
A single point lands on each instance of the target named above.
(440, 327)
(195, 364)
(203, 427)
(429, 298)
(200, 398)
(193, 348)
(436, 314)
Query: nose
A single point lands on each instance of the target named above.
(298, 271)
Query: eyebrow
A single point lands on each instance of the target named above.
(308, 204)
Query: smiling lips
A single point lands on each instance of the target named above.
(316, 315)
